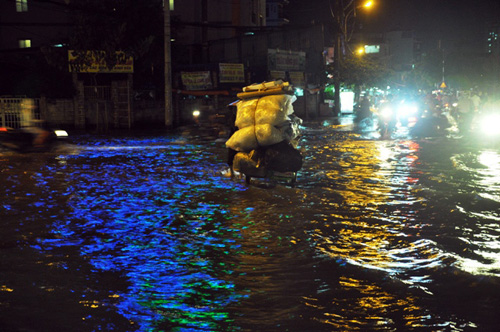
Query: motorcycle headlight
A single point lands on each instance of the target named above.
(386, 112)
(61, 133)
(488, 124)
(407, 110)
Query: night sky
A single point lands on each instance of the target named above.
(456, 23)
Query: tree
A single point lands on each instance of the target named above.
(134, 27)
(359, 71)
(116, 25)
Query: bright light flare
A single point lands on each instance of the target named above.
(61, 133)
(406, 110)
(386, 112)
(488, 124)
(196, 113)
(368, 4)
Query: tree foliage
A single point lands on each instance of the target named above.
(131, 26)
(357, 71)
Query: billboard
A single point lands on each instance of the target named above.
(286, 60)
(94, 62)
(231, 73)
(196, 80)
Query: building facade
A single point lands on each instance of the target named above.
(33, 24)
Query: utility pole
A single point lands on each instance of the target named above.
(169, 118)
(337, 55)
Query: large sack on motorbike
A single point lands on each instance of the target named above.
(243, 140)
(250, 163)
(273, 109)
(268, 134)
(245, 113)
(282, 157)
(290, 129)
(250, 138)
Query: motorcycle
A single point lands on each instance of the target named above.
(31, 139)
(432, 123)
(401, 113)
(386, 119)
(485, 125)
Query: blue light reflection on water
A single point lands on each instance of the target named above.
(146, 201)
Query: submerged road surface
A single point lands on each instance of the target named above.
(145, 234)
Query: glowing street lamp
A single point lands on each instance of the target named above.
(368, 4)
(342, 15)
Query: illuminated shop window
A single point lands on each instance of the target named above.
(21, 6)
(24, 43)
(372, 49)
(171, 4)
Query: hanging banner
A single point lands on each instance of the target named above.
(286, 60)
(196, 80)
(277, 75)
(93, 62)
(297, 78)
(231, 73)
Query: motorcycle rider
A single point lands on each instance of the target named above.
(363, 110)
(40, 133)
(465, 112)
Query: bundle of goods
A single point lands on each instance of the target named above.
(268, 130)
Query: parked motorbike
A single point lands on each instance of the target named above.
(31, 139)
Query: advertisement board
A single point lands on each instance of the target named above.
(297, 78)
(94, 62)
(231, 73)
(286, 60)
(197, 80)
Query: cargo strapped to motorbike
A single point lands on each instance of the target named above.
(267, 135)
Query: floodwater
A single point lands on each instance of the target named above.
(144, 234)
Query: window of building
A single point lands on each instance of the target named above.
(24, 43)
(171, 4)
(369, 49)
(21, 6)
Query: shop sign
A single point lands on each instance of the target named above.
(297, 78)
(94, 62)
(286, 60)
(196, 80)
(231, 73)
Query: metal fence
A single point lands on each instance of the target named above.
(18, 112)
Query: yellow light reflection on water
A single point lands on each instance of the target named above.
(373, 304)
(4, 288)
(367, 231)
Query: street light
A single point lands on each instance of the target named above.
(368, 4)
(342, 13)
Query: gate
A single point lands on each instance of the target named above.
(98, 104)
(18, 112)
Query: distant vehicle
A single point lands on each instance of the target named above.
(31, 139)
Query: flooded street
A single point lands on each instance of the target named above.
(145, 234)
